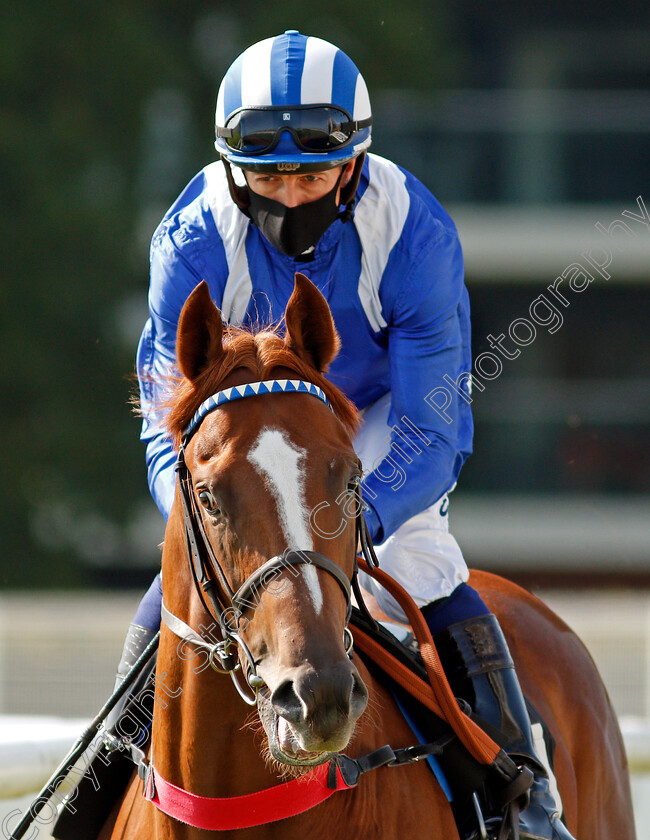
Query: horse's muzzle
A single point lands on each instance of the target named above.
(317, 710)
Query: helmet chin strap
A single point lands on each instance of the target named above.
(241, 196)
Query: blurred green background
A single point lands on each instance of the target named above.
(530, 122)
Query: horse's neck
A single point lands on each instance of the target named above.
(200, 739)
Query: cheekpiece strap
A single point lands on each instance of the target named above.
(253, 389)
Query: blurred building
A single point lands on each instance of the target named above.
(544, 162)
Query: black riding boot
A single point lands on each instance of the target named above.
(476, 659)
(106, 769)
(137, 639)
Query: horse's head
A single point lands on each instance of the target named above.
(273, 473)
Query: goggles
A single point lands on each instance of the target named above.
(314, 128)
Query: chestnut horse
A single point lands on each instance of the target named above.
(257, 467)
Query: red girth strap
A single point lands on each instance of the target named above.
(232, 812)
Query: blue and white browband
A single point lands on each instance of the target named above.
(253, 389)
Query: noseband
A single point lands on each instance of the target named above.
(204, 564)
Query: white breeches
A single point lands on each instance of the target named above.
(421, 555)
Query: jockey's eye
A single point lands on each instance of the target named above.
(208, 501)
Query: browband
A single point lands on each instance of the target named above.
(253, 389)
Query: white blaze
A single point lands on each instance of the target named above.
(280, 462)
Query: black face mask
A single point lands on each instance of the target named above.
(292, 230)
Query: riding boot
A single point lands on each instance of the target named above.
(106, 767)
(137, 639)
(476, 659)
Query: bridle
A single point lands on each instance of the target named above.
(226, 606)
(343, 772)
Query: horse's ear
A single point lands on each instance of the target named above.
(311, 333)
(200, 331)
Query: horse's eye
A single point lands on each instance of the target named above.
(208, 501)
(355, 481)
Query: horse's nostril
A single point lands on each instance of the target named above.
(359, 696)
(325, 701)
(286, 702)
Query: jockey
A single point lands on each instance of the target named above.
(296, 190)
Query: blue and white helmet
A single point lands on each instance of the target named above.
(292, 102)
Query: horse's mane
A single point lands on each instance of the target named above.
(260, 353)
